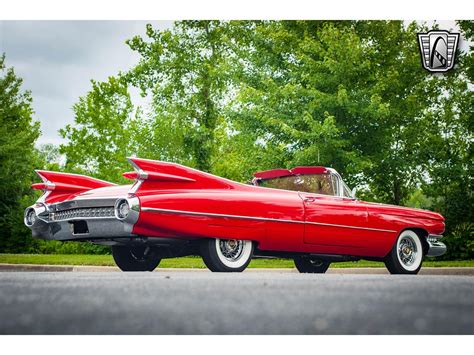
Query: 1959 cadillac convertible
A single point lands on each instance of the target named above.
(307, 214)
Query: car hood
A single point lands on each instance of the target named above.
(373, 207)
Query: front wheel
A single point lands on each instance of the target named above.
(311, 266)
(406, 255)
(137, 258)
(226, 255)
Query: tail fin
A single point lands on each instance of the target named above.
(58, 186)
(153, 174)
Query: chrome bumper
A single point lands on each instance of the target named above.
(82, 219)
(436, 247)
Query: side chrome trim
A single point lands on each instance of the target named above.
(221, 215)
(352, 227)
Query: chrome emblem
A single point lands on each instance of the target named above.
(438, 50)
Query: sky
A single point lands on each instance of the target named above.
(57, 60)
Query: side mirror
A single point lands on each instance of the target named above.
(353, 192)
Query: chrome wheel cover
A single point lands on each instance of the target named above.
(231, 249)
(409, 250)
(233, 253)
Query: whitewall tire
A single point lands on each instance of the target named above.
(226, 255)
(406, 255)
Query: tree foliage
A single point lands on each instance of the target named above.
(18, 158)
(349, 95)
(186, 72)
(107, 129)
(447, 154)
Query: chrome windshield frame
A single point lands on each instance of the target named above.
(341, 184)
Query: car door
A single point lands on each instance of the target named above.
(334, 221)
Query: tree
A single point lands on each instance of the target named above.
(448, 149)
(50, 157)
(351, 95)
(342, 94)
(467, 59)
(185, 70)
(289, 92)
(107, 128)
(185, 73)
(408, 92)
(18, 158)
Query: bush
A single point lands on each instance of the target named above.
(460, 242)
(55, 247)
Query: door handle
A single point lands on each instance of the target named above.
(309, 199)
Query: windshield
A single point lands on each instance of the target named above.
(346, 191)
(325, 184)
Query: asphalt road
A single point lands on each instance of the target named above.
(248, 303)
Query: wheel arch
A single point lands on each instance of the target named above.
(422, 233)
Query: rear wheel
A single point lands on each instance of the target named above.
(135, 258)
(311, 266)
(407, 254)
(226, 255)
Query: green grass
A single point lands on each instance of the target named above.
(190, 262)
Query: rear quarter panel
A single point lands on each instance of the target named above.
(256, 202)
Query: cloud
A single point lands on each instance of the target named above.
(57, 60)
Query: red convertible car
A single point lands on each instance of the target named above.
(307, 214)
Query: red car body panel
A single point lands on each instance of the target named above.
(63, 186)
(183, 203)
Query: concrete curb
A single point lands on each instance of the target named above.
(466, 271)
